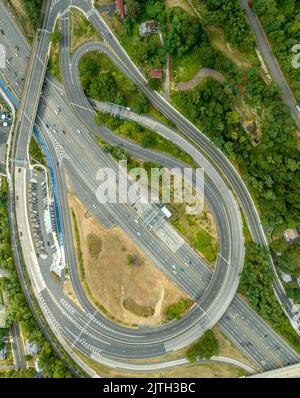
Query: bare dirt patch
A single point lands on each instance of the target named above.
(113, 280)
(180, 3)
(216, 36)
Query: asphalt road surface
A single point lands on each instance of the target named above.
(17, 346)
(234, 324)
(271, 61)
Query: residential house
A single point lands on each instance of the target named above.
(156, 74)
(3, 353)
(31, 348)
(147, 28)
(2, 316)
(291, 235)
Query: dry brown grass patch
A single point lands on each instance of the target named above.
(122, 279)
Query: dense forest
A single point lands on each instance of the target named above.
(102, 81)
(256, 285)
(147, 51)
(272, 168)
(32, 9)
(206, 347)
(281, 20)
(287, 257)
(228, 15)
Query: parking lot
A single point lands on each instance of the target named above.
(43, 222)
(4, 134)
(5, 126)
(39, 214)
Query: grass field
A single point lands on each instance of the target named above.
(185, 68)
(54, 65)
(198, 230)
(81, 30)
(35, 152)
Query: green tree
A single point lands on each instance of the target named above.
(32, 9)
(141, 103)
(293, 294)
(228, 15)
(134, 9)
(206, 347)
(55, 37)
(104, 88)
(148, 140)
(256, 285)
(185, 32)
(174, 311)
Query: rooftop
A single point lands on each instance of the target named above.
(2, 316)
(148, 27)
(31, 348)
(120, 9)
(156, 73)
(3, 354)
(291, 235)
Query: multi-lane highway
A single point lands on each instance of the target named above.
(89, 331)
(241, 322)
(292, 371)
(150, 245)
(122, 60)
(218, 197)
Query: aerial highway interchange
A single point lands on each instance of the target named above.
(75, 154)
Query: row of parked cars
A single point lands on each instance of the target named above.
(35, 216)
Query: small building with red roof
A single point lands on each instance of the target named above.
(156, 74)
(120, 9)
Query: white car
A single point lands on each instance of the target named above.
(78, 131)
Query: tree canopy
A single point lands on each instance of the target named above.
(185, 32)
(228, 15)
(206, 347)
(256, 285)
(281, 21)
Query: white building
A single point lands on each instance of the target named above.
(3, 353)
